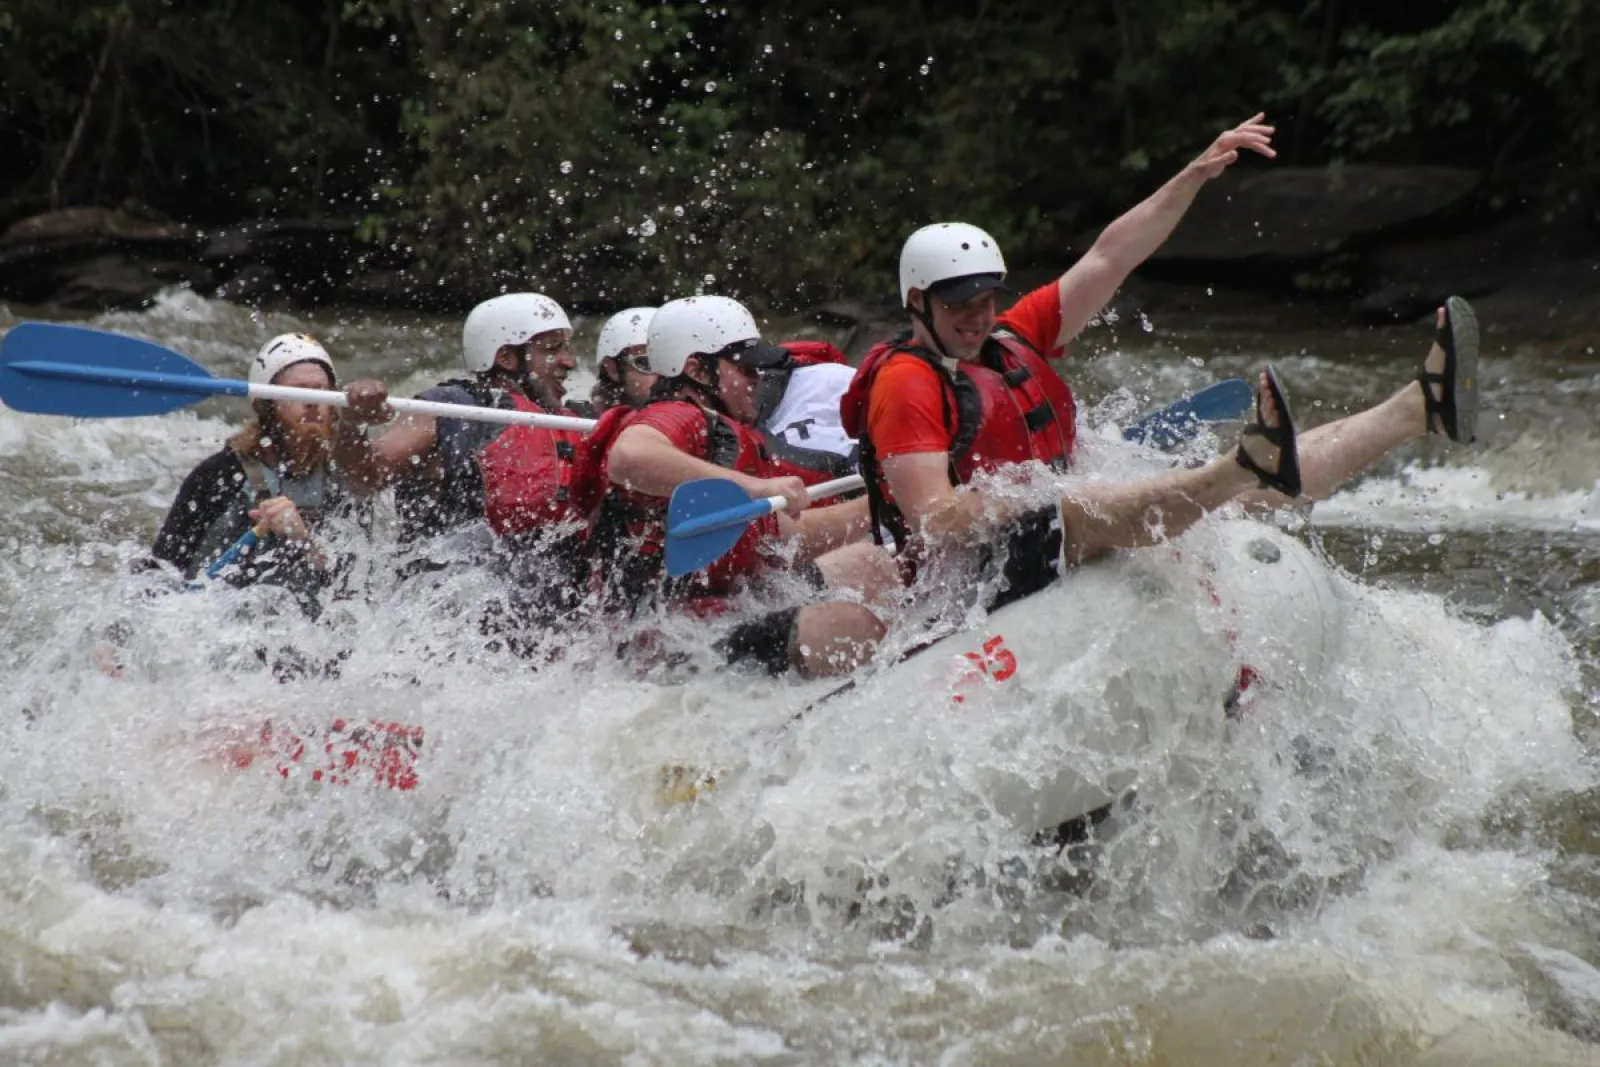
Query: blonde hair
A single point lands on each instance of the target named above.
(247, 441)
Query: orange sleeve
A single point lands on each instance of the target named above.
(1036, 318)
(905, 412)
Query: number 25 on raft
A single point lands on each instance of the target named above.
(996, 662)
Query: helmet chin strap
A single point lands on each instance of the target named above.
(710, 394)
(924, 315)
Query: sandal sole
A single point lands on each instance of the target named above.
(1463, 322)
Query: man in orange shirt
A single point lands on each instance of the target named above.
(967, 390)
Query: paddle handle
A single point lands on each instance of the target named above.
(823, 490)
(437, 409)
(760, 507)
(205, 385)
(770, 504)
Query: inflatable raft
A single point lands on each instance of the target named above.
(1056, 706)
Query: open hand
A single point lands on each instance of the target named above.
(1252, 135)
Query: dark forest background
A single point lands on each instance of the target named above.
(621, 149)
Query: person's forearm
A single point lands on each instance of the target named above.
(644, 461)
(1135, 236)
(355, 458)
(824, 529)
(1091, 282)
(967, 517)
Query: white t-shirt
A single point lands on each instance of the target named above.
(808, 414)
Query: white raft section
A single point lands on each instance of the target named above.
(1059, 704)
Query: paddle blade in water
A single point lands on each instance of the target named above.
(705, 518)
(49, 368)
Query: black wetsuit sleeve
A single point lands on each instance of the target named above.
(209, 491)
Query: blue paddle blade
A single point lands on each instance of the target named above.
(49, 368)
(1178, 422)
(705, 518)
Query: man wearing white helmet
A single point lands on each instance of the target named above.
(518, 350)
(967, 390)
(623, 375)
(709, 354)
(273, 474)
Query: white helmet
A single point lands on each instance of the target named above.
(950, 252)
(513, 319)
(285, 350)
(704, 326)
(625, 329)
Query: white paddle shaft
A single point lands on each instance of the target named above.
(820, 491)
(470, 412)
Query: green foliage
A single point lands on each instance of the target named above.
(626, 150)
(624, 171)
(1488, 65)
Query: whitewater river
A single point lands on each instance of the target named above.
(1399, 864)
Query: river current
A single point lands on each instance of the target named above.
(1401, 866)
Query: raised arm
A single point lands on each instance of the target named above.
(1132, 238)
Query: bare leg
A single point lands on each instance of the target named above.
(1103, 518)
(833, 639)
(1334, 453)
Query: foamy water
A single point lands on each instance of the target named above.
(1390, 861)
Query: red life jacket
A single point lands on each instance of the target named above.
(534, 478)
(1007, 406)
(628, 543)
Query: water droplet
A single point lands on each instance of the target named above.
(647, 228)
(711, 87)
(766, 49)
(1436, 539)
(618, 35)
(566, 166)
(678, 211)
(709, 279)
(1145, 324)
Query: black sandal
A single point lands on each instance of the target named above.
(1286, 478)
(1455, 412)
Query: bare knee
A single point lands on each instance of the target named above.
(864, 567)
(834, 638)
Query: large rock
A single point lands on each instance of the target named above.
(1544, 252)
(122, 281)
(103, 258)
(77, 248)
(311, 258)
(89, 226)
(1297, 215)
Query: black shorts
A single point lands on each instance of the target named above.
(767, 641)
(1026, 558)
